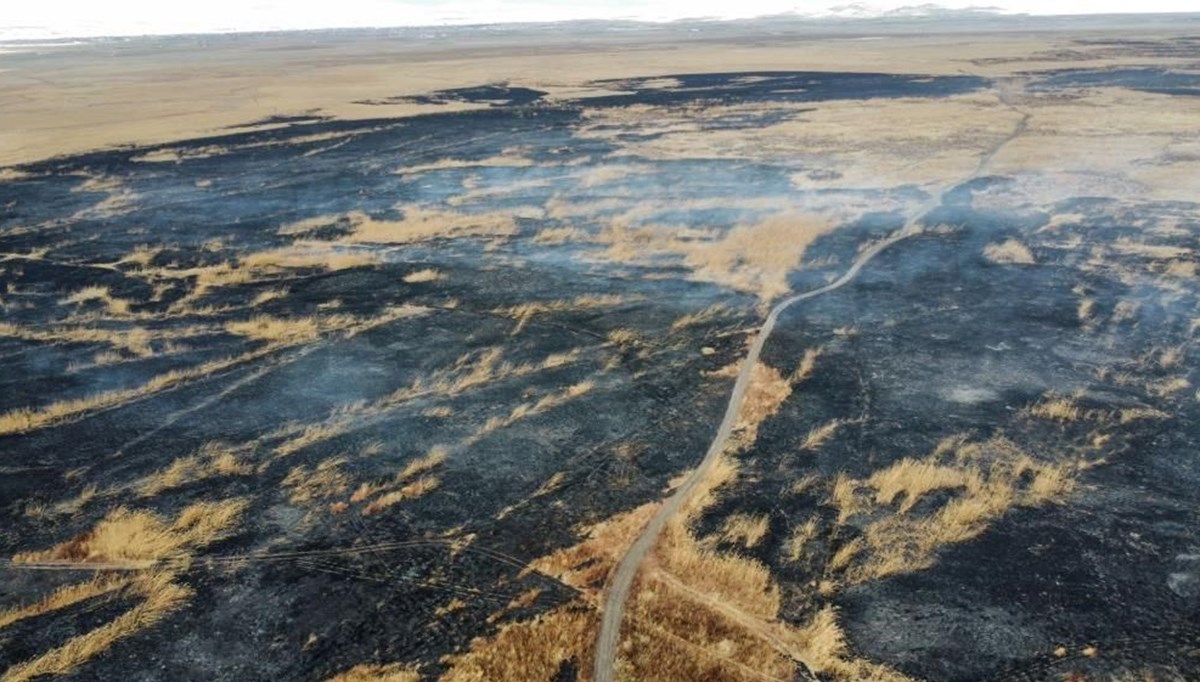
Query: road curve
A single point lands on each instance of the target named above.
(613, 609)
(622, 580)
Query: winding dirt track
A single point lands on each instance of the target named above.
(622, 580)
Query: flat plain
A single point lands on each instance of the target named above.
(373, 355)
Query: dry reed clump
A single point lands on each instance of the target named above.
(1009, 252)
(525, 312)
(754, 258)
(699, 614)
(298, 255)
(807, 365)
(526, 410)
(820, 435)
(212, 460)
(987, 480)
(800, 537)
(137, 540)
(747, 530)
(142, 538)
(117, 307)
(321, 483)
(63, 597)
(706, 316)
(766, 393)
(1058, 408)
(366, 672)
(276, 329)
(160, 596)
(1130, 415)
(426, 275)
(268, 296)
(421, 224)
(410, 483)
(133, 340)
(554, 236)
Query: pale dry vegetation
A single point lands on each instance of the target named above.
(424, 224)
(987, 480)
(159, 595)
(117, 307)
(143, 544)
(64, 597)
(525, 312)
(392, 672)
(139, 538)
(754, 258)
(425, 275)
(820, 435)
(212, 460)
(745, 529)
(1009, 251)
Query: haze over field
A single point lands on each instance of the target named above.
(75, 18)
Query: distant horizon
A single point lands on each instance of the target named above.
(57, 20)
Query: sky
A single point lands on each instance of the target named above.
(39, 19)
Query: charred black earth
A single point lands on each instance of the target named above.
(321, 398)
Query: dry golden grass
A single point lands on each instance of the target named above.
(426, 275)
(912, 479)
(210, 461)
(526, 410)
(267, 296)
(553, 236)
(1167, 387)
(25, 419)
(745, 529)
(160, 596)
(525, 312)
(319, 484)
(1086, 310)
(276, 329)
(1010, 251)
(418, 488)
(706, 316)
(141, 538)
(421, 224)
(1130, 415)
(807, 365)
(820, 435)
(987, 480)
(299, 255)
(63, 597)
(766, 393)
(754, 258)
(529, 650)
(801, 535)
(392, 672)
(1058, 408)
(116, 307)
(133, 340)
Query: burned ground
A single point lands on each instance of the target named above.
(393, 392)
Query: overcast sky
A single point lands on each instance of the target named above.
(66, 18)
